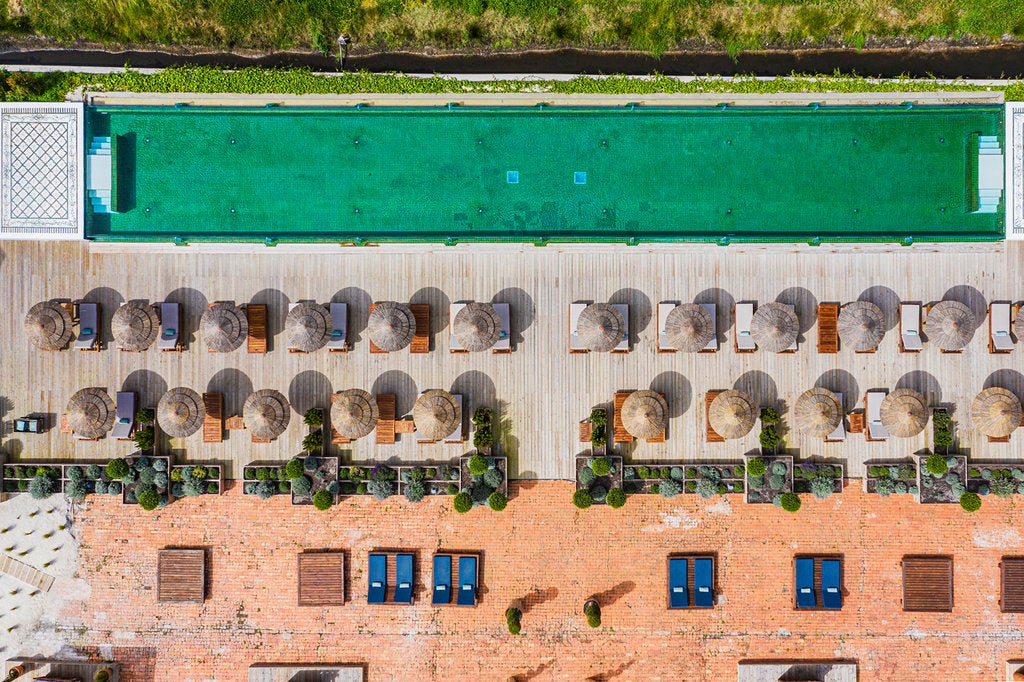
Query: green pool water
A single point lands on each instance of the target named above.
(537, 174)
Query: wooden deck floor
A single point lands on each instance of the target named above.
(540, 391)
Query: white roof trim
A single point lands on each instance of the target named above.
(1014, 155)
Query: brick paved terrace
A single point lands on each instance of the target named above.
(549, 556)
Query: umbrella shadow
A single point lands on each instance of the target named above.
(358, 301)
(805, 304)
(677, 391)
(1010, 379)
(109, 300)
(841, 381)
(760, 386)
(639, 311)
(235, 385)
(970, 297)
(399, 384)
(504, 435)
(193, 304)
(439, 304)
(609, 597)
(477, 390)
(924, 383)
(521, 309)
(887, 300)
(724, 303)
(147, 384)
(309, 389)
(277, 311)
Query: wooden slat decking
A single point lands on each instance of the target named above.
(927, 583)
(621, 435)
(25, 573)
(322, 579)
(181, 576)
(385, 433)
(256, 313)
(213, 422)
(421, 340)
(1011, 593)
(828, 332)
(712, 435)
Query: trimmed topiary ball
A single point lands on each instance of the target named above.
(970, 502)
(149, 500)
(147, 475)
(616, 498)
(462, 502)
(493, 478)
(40, 487)
(101, 487)
(477, 464)
(936, 465)
(600, 466)
(114, 488)
(582, 499)
(415, 491)
(323, 500)
(587, 477)
(790, 502)
(756, 467)
(301, 485)
(294, 469)
(598, 493)
(497, 501)
(117, 468)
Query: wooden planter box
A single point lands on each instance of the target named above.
(765, 494)
(871, 480)
(126, 488)
(249, 476)
(612, 480)
(215, 475)
(802, 484)
(329, 467)
(940, 490)
(980, 477)
(499, 462)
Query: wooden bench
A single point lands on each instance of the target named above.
(1011, 594)
(712, 435)
(385, 433)
(828, 328)
(322, 579)
(236, 423)
(621, 435)
(181, 576)
(213, 422)
(256, 314)
(856, 422)
(406, 425)
(927, 583)
(421, 339)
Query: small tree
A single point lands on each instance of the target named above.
(592, 610)
(616, 498)
(756, 467)
(313, 418)
(294, 469)
(144, 416)
(943, 438)
(970, 502)
(481, 417)
(144, 438)
(117, 469)
(769, 438)
(40, 487)
(600, 466)
(769, 416)
(513, 618)
(313, 441)
(936, 464)
(582, 499)
(477, 464)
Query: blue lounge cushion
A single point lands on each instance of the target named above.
(831, 594)
(378, 575)
(805, 584)
(677, 570)
(467, 581)
(87, 331)
(442, 579)
(703, 583)
(403, 576)
(169, 333)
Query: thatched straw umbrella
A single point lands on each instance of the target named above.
(644, 414)
(861, 325)
(180, 412)
(689, 327)
(996, 412)
(224, 327)
(732, 414)
(477, 327)
(307, 325)
(817, 412)
(904, 413)
(135, 325)
(391, 326)
(774, 327)
(950, 325)
(48, 326)
(601, 327)
(266, 413)
(91, 412)
(436, 414)
(354, 413)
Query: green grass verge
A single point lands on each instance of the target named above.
(50, 87)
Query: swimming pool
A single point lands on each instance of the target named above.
(542, 174)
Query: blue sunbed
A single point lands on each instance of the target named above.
(467, 581)
(378, 579)
(442, 579)
(831, 596)
(677, 584)
(805, 584)
(403, 579)
(703, 583)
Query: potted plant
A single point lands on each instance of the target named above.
(592, 610)
(513, 618)
(101, 675)
(15, 672)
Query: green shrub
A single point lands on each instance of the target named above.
(582, 499)
(477, 464)
(10, 472)
(983, 489)
(936, 465)
(1003, 487)
(940, 419)
(970, 502)
(616, 498)
(267, 489)
(41, 487)
(655, 489)
(313, 418)
(974, 473)
(586, 477)
(415, 491)
(755, 481)
(462, 502)
(212, 488)
(357, 473)
(149, 500)
(885, 487)
(76, 490)
(600, 466)
(790, 502)
(706, 488)
(670, 488)
(598, 437)
(691, 486)
(513, 618)
(779, 468)
(481, 417)
(769, 438)
(74, 473)
(769, 416)
(452, 489)
(101, 675)
(493, 478)
(160, 479)
(178, 490)
(114, 488)
(101, 487)
(22, 485)
(599, 493)
(822, 488)
(483, 437)
(160, 464)
(93, 472)
(193, 488)
(361, 489)
(294, 469)
(643, 472)
(144, 416)
(147, 475)
(756, 467)
(592, 610)
(737, 471)
(677, 473)
(497, 501)
(943, 438)
(417, 474)
(323, 500)
(144, 439)
(598, 417)
(301, 485)
(176, 474)
(313, 441)
(117, 468)
(776, 482)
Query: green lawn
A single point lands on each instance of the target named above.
(655, 25)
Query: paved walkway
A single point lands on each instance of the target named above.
(551, 557)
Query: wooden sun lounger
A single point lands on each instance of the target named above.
(856, 422)
(213, 422)
(712, 435)
(504, 344)
(256, 313)
(927, 583)
(181, 576)
(421, 339)
(828, 331)
(1000, 316)
(322, 579)
(385, 433)
(337, 438)
(910, 328)
(1011, 595)
(621, 435)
